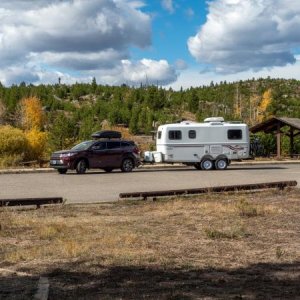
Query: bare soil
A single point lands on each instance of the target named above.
(229, 246)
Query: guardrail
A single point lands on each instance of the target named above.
(218, 189)
(30, 201)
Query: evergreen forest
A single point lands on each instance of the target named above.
(53, 117)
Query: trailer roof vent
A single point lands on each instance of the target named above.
(186, 122)
(214, 119)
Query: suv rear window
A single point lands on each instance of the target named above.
(127, 144)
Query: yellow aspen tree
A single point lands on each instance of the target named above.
(265, 102)
(31, 113)
(31, 119)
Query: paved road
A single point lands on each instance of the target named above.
(101, 186)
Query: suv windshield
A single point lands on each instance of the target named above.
(83, 146)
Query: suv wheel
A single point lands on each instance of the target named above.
(81, 167)
(62, 171)
(127, 165)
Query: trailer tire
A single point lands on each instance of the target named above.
(207, 164)
(221, 163)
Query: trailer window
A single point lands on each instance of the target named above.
(159, 135)
(234, 134)
(175, 135)
(192, 134)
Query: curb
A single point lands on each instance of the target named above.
(158, 166)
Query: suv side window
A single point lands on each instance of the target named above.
(113, 145)
(99, 146)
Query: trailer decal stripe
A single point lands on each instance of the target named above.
(201, 146)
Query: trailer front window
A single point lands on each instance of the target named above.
(159, 135)
(234, 134)
(175, 135)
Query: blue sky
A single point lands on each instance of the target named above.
(173, 43)
(171, 30)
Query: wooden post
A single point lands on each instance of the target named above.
(278, 136)
(291, 142)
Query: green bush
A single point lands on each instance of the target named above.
(13, 145)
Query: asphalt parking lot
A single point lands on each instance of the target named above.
(98, 186)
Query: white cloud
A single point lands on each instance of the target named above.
(168, 5)
(108, 58)
(189, 78)
(241, 35)
(145, 71)
(43, 39)
(180, 64)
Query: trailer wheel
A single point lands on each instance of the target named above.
(207, 164)
(221, 164)
(197, 166)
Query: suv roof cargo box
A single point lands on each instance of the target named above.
(107, 134)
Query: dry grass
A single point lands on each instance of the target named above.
(228, 231)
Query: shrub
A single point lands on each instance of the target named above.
(245, 209)
(12, 160)
(233, 233)
(37, 144)
(13, 143)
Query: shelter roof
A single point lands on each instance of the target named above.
(271, 124)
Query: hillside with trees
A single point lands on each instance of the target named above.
(57, 116)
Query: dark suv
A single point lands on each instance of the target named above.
(107, 154)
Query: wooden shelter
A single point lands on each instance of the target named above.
(275, 125)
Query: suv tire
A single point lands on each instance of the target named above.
(62, 171)
(127, 165)
(81, 167)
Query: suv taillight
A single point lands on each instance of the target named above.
(136, 150)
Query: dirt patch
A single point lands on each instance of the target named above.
(210, 246)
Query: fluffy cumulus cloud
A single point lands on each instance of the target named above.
(242, 35)
(71, 36)
(145, 71)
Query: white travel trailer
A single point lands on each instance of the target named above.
(208, 145)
